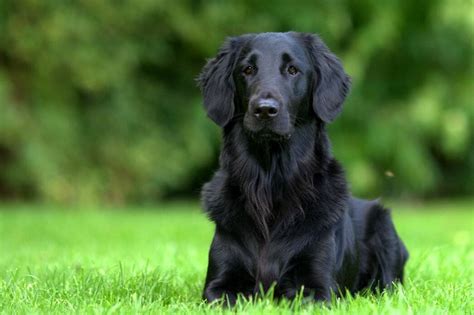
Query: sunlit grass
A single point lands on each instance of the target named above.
(153, 260)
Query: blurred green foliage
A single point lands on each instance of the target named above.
(98, 100)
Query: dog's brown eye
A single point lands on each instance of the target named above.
(249, 70)
(292, 70)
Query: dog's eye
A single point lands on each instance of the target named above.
(292, 70)
(249, 70)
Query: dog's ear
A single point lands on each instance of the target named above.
(332, 83)
(217, 83)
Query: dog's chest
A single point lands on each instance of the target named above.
(269, 266)
(270, 261)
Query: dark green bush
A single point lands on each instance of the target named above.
(98, 100)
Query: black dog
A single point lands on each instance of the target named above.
(280, 201)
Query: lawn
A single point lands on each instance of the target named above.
(153, 260)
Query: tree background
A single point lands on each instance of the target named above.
(98, 101)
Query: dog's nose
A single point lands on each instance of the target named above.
(266, 109)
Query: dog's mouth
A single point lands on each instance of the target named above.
(268, 135)
(274, 130)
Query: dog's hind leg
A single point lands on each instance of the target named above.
(385, 248)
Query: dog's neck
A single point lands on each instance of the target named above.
(269, 173)
(297, 148)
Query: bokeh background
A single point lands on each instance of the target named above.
(98, 102)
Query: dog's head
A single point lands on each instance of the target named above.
(273, 82)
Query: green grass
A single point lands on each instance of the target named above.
(153, 260)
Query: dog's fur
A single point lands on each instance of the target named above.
(284, 216)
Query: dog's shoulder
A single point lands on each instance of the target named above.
(215, 198)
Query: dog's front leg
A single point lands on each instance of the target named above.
(320, 278)
(226, 275)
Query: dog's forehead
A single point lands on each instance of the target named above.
(276, 44)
